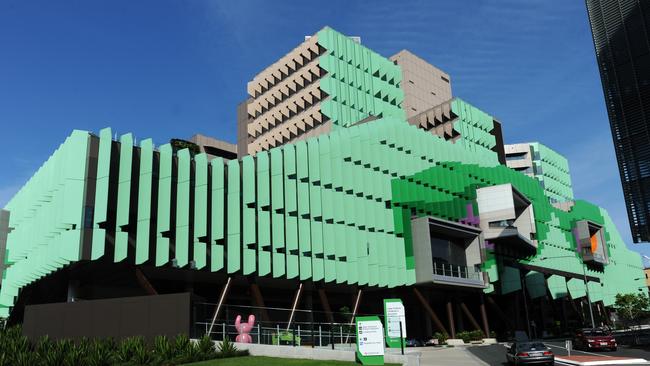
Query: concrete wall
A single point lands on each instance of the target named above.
(412, 359)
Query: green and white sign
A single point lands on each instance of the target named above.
(370, 340)
(395, 316)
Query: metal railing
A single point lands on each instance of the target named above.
(272, 326)
(326, 335)
(457, 271)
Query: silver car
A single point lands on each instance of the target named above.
(530, 353)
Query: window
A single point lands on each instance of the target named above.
(444, 79)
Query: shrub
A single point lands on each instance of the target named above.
(126, 350)
(100, 353)
(206, 347)
(181, 344)
(441, 337)
(16, 350)
(475, 335)
(141, 355)
(464, 335)
(163, 349)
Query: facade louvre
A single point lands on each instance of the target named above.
(621, 33)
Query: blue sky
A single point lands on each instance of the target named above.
(166, 69)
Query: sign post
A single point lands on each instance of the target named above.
(395, 318)
(370, 340)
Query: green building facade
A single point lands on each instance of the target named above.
(338, 208)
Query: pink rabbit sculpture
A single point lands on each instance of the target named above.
(244, 328)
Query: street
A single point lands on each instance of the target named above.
(496, 354)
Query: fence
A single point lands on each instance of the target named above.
(307, 328)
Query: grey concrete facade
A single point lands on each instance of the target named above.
(424, 85)
(214, 148)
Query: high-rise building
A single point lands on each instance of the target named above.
(621, 32)
(329, 81)
(544, 164)
(424, 85)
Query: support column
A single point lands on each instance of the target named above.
(296, 301)
(565, 321)
(258, 300)
(460, 324)
(501, 314)
(326, 305)
(484, 318)
(471, 318)
(144, 283)
(222, 298)
(429, 310)
(450, 318)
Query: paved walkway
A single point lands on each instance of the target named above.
(598, 360)
(457, 356)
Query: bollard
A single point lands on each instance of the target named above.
(320, 337)
(293, 337)
(259, 333)
(223, 331)
(332, 335)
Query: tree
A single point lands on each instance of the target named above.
(632, 307)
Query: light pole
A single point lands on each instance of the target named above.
(584, 276)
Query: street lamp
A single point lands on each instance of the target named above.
(584, 276)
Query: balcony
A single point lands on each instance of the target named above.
(507, 219)
(450, 274)
(447, 252)
(591, 242)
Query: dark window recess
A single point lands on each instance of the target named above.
(444, 79)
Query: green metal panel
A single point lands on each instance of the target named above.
(123, 198)
(200, 211)
(277, 213)
(233, 262)
(304, 222)
(144, 201)
(290, 211)
(181, 248)
(263, 213)
(249, 233)
(163, 226)
(101, 193)
(217, 215)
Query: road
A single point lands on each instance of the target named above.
(495, 355)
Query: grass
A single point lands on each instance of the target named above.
(270, 361)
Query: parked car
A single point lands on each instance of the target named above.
(431, 342)
(413, 342)
(594, 339)
(530, 353)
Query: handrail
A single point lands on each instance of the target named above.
(457, 271)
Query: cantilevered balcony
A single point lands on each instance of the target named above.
(447, 253)
(507, 219)
(591, 242)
